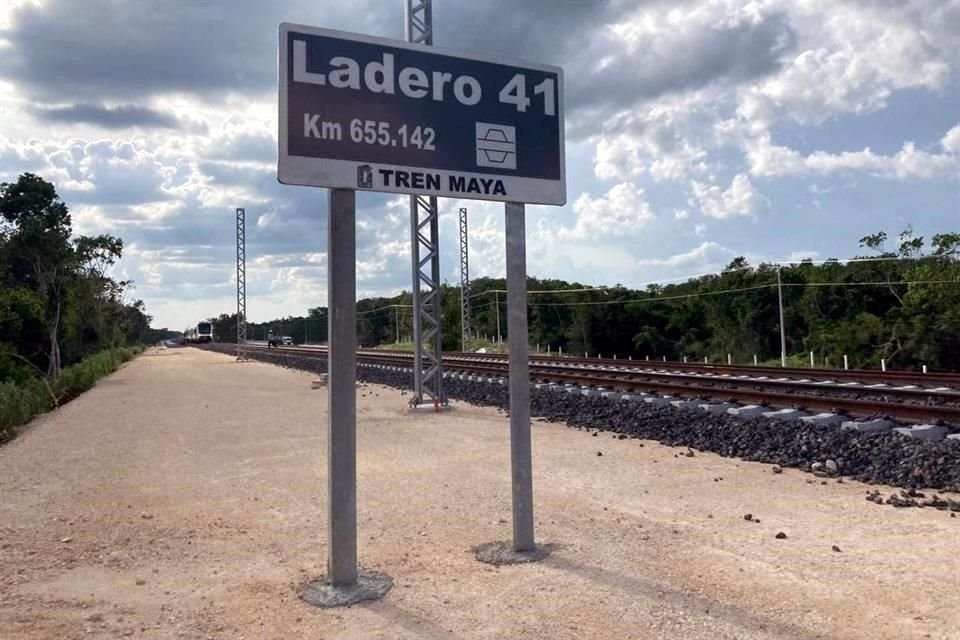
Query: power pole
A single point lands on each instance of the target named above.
(496, 303)
(241, 284)
(425, 256)
(464, 283)
(783, 331)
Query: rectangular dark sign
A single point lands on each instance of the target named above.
(359, 112)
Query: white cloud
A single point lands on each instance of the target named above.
(656, 140)
(680, 214)
(852, 57)
(623, 211)
(601, 239)
(951, 141)
(910, 163)
(799, 256)
(708, 256)
(740, 199)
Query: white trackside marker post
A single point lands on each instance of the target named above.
(846, 362)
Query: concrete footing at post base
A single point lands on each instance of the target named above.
(370, 585)
(502, 552)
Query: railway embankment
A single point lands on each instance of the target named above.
(825, 450)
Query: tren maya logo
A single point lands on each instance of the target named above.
(364, 177)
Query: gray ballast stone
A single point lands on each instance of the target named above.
(590, 393)
(711, 407)
(785, 414)
(824, 419)
(611, 395)
(749, 411)
(954, 436)
(686, 404)
(868, 426)
(924, 432)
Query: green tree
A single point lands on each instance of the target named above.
(41, 245)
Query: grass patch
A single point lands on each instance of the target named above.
(21, 401)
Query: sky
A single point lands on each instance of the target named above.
(696, 132)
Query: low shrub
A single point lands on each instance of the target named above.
(19, 402)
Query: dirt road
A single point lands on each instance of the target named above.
(184, 497)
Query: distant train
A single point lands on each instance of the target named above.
(202, 332)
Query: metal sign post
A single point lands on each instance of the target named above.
(341, 388)
(520, 448)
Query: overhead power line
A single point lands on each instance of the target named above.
(656, 298)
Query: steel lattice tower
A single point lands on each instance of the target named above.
(241, 284)
(425, 256)
(464, 283)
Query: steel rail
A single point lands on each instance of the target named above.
(895, 376)
(820, 379)
(633, 382)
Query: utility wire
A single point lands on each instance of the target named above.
(656, 298)
(652, 298)
(389, 306)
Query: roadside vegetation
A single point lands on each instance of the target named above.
(899, 302)
(22, 401)
(64, 322)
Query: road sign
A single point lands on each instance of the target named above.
(359, 112)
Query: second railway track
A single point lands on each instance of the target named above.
(898, 395)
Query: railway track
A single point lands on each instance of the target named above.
(901, 396)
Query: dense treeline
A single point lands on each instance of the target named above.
(58, 305)
(901, 304)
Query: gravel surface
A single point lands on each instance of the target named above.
(184, 497)
(881, 458)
